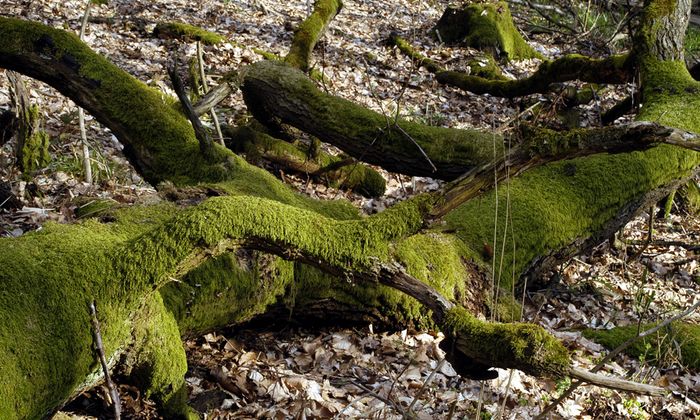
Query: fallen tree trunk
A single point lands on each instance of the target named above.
(274, 92)
(127, 261)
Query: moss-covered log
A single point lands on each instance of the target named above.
(571, 67)
(275, 92)
(162, 147)
(614, 69)
(335, 171)
(190, 33)
(127, 263)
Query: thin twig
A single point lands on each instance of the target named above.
(425, 384)
(114, 395)
(379, 397)
(81, 114)
(205, 89)
(420, 149)
(205, 143)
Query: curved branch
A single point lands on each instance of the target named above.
(615, 69)
(310, 31)
(357, 250)
(331, 170)
(541, 146)
(276, 93)
(157, 140)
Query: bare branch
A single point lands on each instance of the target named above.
(114, 395)
(205, 142)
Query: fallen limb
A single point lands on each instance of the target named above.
(571, 67)
(335, 171)
(113, 97)
(614, 70)
(616, 383)
(541, 146)
(276, 93)
(310, 31)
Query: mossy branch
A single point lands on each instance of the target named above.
(275, 92)
(571, 67)
(185, 32)
(614, 69)
(310, 31)
(332, 170)
(158, 140)
(540, 146)
(205, 143)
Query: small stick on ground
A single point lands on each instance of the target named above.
(87, 167)
(205, 89)
(114, 395)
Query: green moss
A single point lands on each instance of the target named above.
(432, 258)
(486, 26)
(45, 338)
(94, 208)
(670, 95)
(257, 182)
(187, 32)
(506, 309)
(34, 154)
(226, 290)
(309, 32)
(160, 362)
(436, 260)
(690, 194)
(390, 305)
(526, 347)
(657, 347)
(554, 205)
(658, 9)
(267, 55)
(485, 67)
(297, 157)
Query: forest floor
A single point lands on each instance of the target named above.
(299, 373)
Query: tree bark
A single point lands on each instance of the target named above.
(276, 92)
